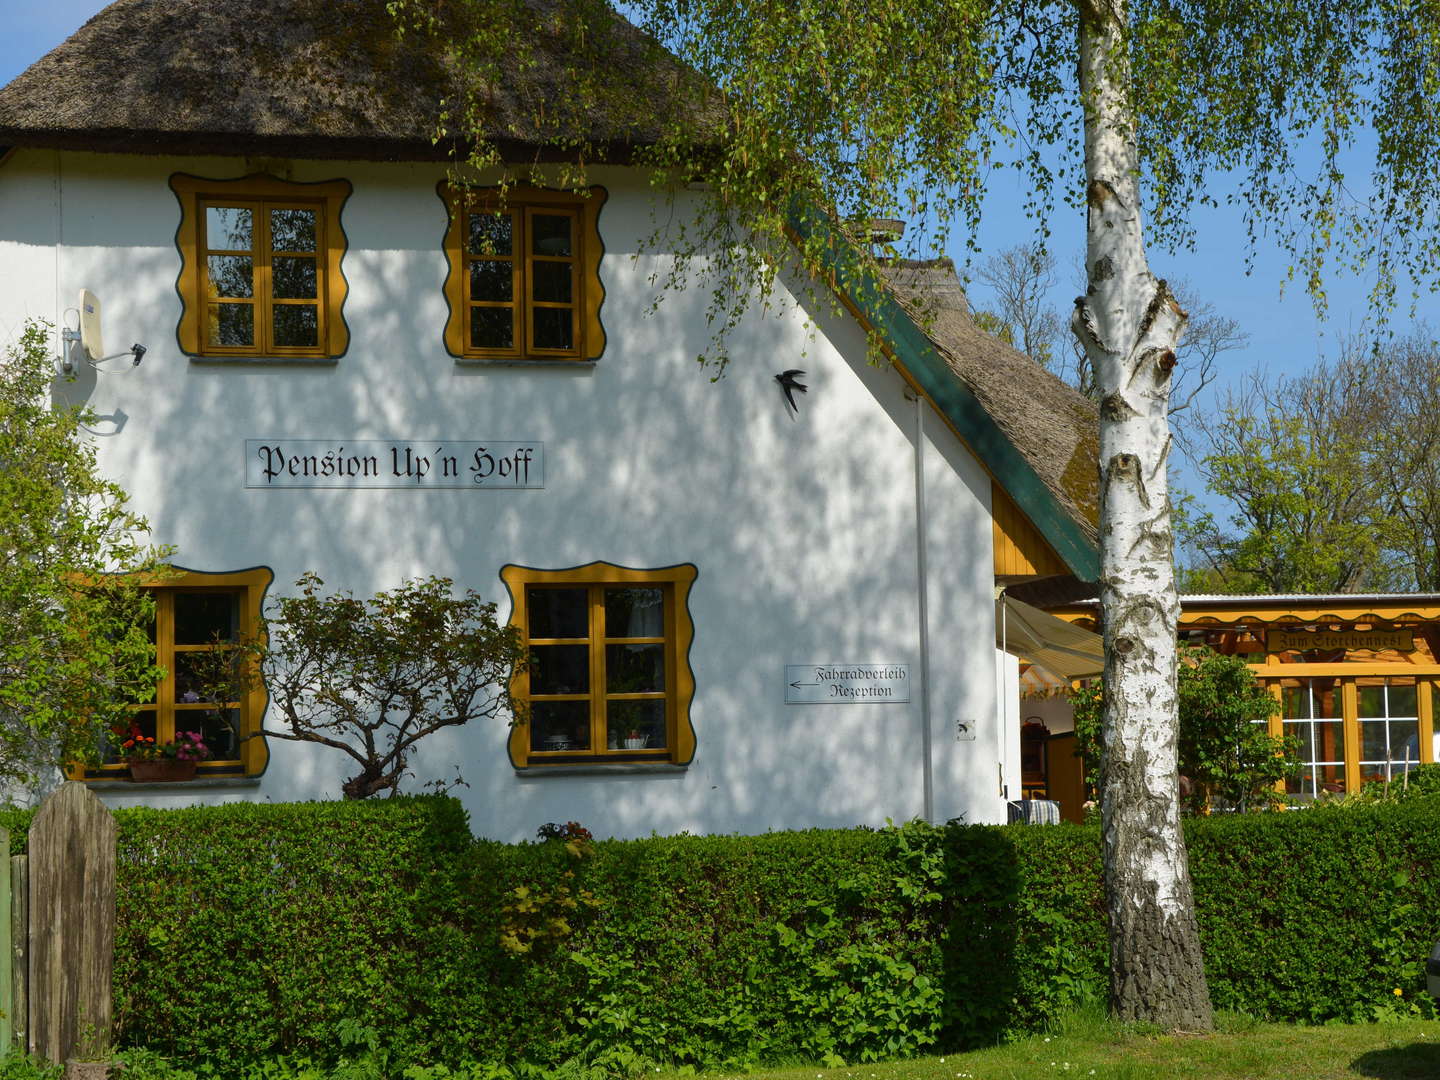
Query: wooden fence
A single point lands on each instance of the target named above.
(57, 930)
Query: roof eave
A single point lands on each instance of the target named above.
(313, 147)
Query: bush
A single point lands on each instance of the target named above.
(335, 932)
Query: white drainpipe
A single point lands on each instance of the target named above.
(927, 764)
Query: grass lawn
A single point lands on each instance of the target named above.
(1241, 1049)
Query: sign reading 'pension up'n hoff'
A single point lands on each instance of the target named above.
(392, 463)
(1375, 640)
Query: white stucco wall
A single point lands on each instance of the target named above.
(804, 530)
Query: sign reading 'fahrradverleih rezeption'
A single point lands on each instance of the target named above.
(393, 463)
(846, 684)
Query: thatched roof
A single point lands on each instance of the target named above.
(1055, 428)
(331, 79)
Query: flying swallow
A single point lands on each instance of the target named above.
(789, 382)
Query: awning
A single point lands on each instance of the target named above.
(1054, 644)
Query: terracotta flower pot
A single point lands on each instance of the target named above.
(162, 770)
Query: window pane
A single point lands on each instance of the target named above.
(491, 279)
(292, 230)
(219, 730)
(558, 613)
(230, 325)
(202, 618)
(296, 325)
(1402, 699)
(231, 275)
(560, 669)
(551, 282)
(560, 725)
(551, 234)
(293, 277)
(195, 677)
(490, 234)
(143, 722)
(635, 725)
(1405, 741)
(492, 328)
(227, 228)
(553, 328)
(1305, 734)
(1371, 700)
(634, 669)
(1373, 744)
(634, 613)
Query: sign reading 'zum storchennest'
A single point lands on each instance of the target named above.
(392, 463)
(1377, 640)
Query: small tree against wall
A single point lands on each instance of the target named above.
(372, 678)
(74, 652)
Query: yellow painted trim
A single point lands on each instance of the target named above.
(1396, 670)
(1350, 716)
(1330, 611)
(333, 336)
(590, 291)
(679, 636)
(1020, 549)
(1425, 690)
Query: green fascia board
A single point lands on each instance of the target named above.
(917, 356)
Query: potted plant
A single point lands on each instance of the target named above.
(175, 760)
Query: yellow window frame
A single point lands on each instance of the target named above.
(521, 204)
(679, 633)
(261, 193)
(250, 585)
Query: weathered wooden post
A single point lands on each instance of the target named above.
(20, 949)
(7, 986)
(72, 925)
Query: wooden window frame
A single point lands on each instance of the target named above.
(1346, 676)
(254, 755)
(679, 692)
(523, 203)
(261, 192)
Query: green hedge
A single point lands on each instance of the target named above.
(248, 930)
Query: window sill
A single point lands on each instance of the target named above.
(558, 363)
(597, 768)
(269, 361)
(174, 787)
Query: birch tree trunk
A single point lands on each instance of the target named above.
(1129, 324)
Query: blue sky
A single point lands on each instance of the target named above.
(1285, 335)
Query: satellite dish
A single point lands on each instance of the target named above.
(90, 325)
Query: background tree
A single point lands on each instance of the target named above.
(74, 654)
(1226, 752)
(372, 678)
(1332, 477)
(857, 109)
(1406, 456)
(1020, 279)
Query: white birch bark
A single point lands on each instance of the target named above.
(1129, 324)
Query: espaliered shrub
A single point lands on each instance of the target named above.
(1320, 915)
(251, 930)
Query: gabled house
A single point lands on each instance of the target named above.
(745, 615)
